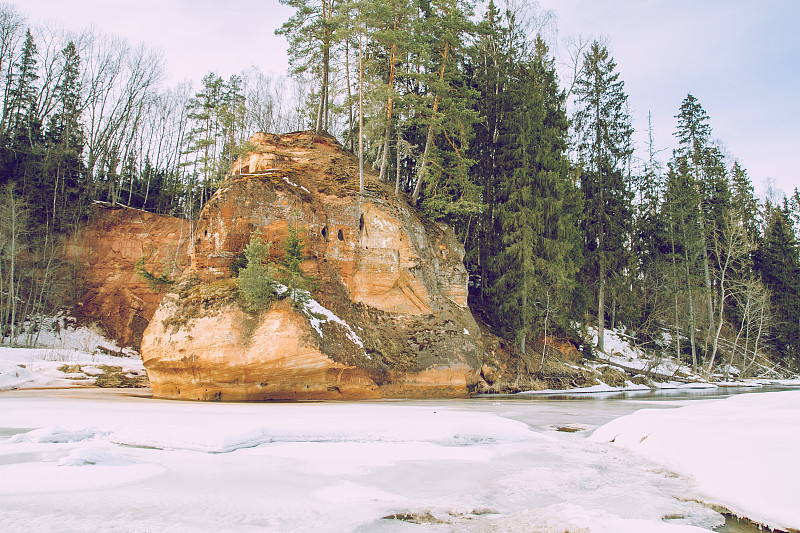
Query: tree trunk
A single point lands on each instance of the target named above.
(428, 143)
(601, 319)
(389, 104)
(349, 95)
(429, 140)
(691, 307)
(397, 178)
(360, 113)
(385, 157)
(677, 332)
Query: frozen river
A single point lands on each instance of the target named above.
(99, 460)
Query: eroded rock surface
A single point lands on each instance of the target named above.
(105, 251)
(393, 321)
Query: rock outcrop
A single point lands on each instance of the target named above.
(104, 253)
(389, 316)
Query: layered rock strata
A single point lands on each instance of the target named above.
(104, 253)
(389, 316)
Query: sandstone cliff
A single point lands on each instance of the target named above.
(104, 252)
(390, 316)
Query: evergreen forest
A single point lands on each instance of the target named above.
(566, 224)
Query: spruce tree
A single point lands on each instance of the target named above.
(298, 284)
(256, 281)
(25, 120)
(651, 244)
(743, 199)
(605, 144)
(492, 60)
(65, 186)
(695, 158)
(687, 244)
(778, 261)
(535, 264)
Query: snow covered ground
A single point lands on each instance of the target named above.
(86, 459)
(64, 357)
(621, 350)
(741, 452)
(92, 460)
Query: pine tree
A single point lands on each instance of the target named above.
(605, 145)
(231, 112)
(203, 111)
(312, 35)
(390, 26)
(443, 185)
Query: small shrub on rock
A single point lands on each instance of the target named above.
(256, 281)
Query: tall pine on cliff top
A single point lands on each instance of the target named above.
(392, 45)
(311, 32)
(444, 187)
(605, 134)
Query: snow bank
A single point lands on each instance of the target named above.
(185, 466)
(33, 368)
(57, 339)
(619, 349)
(13, 376)
(60, 348)
(742, 451)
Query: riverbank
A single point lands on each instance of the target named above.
(81, 357)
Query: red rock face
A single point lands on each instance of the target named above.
(395, 284)
(106, 250)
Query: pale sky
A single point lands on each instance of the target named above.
(739, 58)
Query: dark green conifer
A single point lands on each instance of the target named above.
(778, 261)
(605, 145)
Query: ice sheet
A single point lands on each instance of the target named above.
(135, 464)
